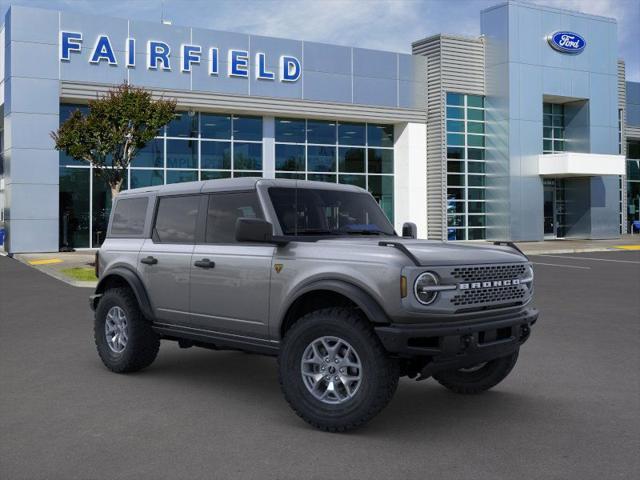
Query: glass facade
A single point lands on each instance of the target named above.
(466, 173)
(552, 128)
(194, 146)
(633, 182)
(344, 152)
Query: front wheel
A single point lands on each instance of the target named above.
(478, 378)
(333, 370)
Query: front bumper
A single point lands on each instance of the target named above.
(461, 344)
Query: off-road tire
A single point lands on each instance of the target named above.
(142, 344)
(380, 374)
(478, 381)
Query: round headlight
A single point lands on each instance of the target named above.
(423, 288)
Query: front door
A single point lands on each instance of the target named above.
(555, 208)
(230, 281)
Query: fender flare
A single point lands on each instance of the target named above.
(133, 280)
(363, 300)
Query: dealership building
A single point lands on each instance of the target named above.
(527, 132)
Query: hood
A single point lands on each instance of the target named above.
(432, 252)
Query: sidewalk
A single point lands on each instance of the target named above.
(59, 264)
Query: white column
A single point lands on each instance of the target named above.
(268, 147)
(410, 181)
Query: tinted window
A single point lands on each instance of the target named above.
(304, 211)
(128, 218)
(224, 210)
(176, 219)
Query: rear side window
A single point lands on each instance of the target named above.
(224, 209)
(128, 217)
(176, 219)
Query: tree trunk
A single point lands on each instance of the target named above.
(115, 189)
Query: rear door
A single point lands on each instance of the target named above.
(165, 259)
(230, 280)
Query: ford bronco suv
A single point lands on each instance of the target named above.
(314, 274)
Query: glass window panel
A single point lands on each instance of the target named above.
(237, 174)
(477, 115)
(74, 207)
(476, 207)
(290, 130)
(247, 127)
(66, 109)
(146, 178)
(558, 145)
(547, 145)
(205, 175)
(456, 234)
(321, 159)
(357, 180)
(475, 154)
(247, 156)
(379, 135)
(455, 139)
(477, 234)
(455, 126)
(215, 126)
(320, 131)
(633, 149)
(455, 152)
(179, 176)
(476, 167)
(547, 132)
(633, 170)
(351, 133)
(351, 160)
(476, 180)
(67, 160)
(101, 199)
(455, 220)
(215, 155)
(558, 133)
(381, 187)
(455, 167)
(476, 193)
(477, 220)
(455, 194)
(475, 127)
(558, 121)
(129, 216)
(454, 208)
(455, 180)
(223, 212)
(547, 120)
(546, 108)
(184, 124)
(455, 113)
(475, 101)
(455, 98)
(151, 155)
(557, 108)
(182, 154)
(176, 219)
(290, 157)
(380, 161)
(292, 176)
(321, 178)
(475, 140)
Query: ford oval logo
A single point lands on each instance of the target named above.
(567, 42)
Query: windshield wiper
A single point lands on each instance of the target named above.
(364, 232)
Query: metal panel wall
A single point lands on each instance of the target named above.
(454, 64)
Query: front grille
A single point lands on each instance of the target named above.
(482, 273)
(508, 294)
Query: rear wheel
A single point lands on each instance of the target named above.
(123, 337)
(478, 378)
(333, 370)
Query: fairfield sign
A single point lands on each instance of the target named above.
(159, 56)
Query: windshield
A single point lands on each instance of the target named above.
(305, 211)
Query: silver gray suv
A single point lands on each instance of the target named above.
(314, 274)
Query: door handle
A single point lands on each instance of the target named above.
(204, 263)
(149, 260)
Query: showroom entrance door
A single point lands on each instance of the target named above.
(555, 208)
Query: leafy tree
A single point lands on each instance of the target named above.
(117, 126)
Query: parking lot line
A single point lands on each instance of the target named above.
(628, 247)
(47, 261)
(560, 265)
(590, 258)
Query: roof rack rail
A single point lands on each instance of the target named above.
(403, 249)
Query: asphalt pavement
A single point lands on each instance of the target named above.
(569, 410)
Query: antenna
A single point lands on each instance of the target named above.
(162, 19)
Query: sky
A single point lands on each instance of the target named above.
(378, 24)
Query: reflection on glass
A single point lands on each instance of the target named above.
(321, 178)
(101, 207)
(205, 175)
(351, 160)
(215, 126)
(321, 159)
(290, 130)
(381, 187)
(179, 176)
(379, 135)
(357, 180)
(146, 178)
(247, 127)
(215, 155)
(380, 161)
(247, 156)
(151, 155)
(290, 157)
(74, 207)
(320, 131)
(182, 154)
(351, 133)
(184, 124)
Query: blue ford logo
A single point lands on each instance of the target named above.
(567, 42)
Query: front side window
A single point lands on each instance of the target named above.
(128, 217)
(176, 219)
(304, 211)
(223, 212)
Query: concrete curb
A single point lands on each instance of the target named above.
(58, 276)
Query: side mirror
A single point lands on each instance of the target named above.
(409, 230)
(253, 230)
